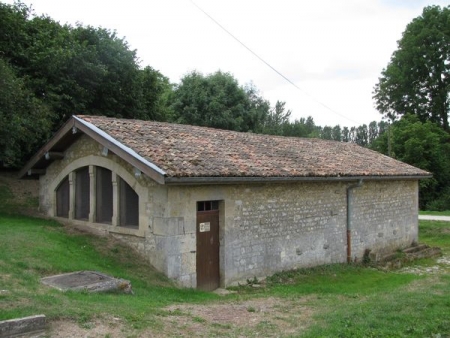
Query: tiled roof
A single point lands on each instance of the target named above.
(190, 151)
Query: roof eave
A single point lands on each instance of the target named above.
(236, 180)
(124, 152)
(102, 138)
(64, 130)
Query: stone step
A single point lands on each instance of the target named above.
(412, 253)
(415, 248)
(425, 253)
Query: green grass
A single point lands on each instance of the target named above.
(33, 248)
(343, 300)
(435, 233)
(348, 300)
(435, 213)
(393, 305)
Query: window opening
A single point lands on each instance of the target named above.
(129, 206)
(207, 205)
(103, 195)
(62, 198)
(82, 195)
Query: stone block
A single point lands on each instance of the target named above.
(24, 327)
(168, 226)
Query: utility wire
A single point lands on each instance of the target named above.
(269, 65)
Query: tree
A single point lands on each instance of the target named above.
(424, 145)
(116, 86)
(346, 134)
(373, 132)
(361, 136)
(59, 70)
(327, 133)
(24, 120)
(336, 134)
(156, 91)
(277, 119)
(417, 78)
(215, 100)
(258, 110)
(301, 128)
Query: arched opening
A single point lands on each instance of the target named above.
(63, 198)
(82, 193)
(103, 195)
(129, 205)
(112, 199)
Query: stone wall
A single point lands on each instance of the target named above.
(385, 216)
(272, 227)
(285, 226)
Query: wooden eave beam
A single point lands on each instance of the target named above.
(53, 155)
(66, 128)
(32, 172)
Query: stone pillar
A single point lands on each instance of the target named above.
(115, 216)
(92, 193)
(72, 178)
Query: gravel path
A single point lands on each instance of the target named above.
(435, 218)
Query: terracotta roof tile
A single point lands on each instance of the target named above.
(191, 151)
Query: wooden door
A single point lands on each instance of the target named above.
(208, 275)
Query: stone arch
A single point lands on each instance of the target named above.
(119, 170)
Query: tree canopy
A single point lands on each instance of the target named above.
(59, 70)
(417, 78)
(217, 100)
(424, 145)
(24, 121)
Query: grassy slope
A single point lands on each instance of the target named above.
(349, 301)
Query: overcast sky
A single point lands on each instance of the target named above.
(334, 51)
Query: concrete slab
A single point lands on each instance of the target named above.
(91, 281)
(33, 326)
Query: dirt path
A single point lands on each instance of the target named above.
(265, 317)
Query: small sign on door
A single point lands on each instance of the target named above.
(205, 227)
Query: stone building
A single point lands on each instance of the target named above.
(210, 207)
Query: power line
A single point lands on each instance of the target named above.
(270, 66)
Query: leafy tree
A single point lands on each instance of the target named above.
(156, 92)
(14, 38)
(346, 134)
(116, 86)
(65, 70)
(326, 133)
(258, 110)
(277, 119)
(24, 121)
(336, 133)
(301, 128)
(424, 145)
(417, 78)
(372, 132)
(215, 100)
(362, 136)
